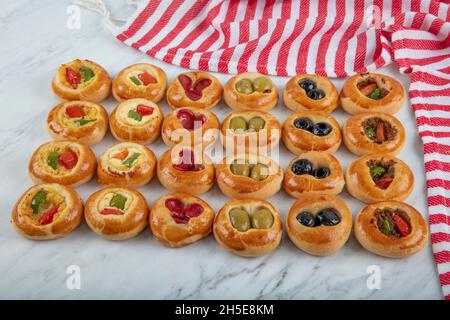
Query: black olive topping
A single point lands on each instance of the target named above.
(302, 166)
(327, 217)
(316, 94)
(321, 129)
(304, 123)
(306, 219)
(321, 173)
(307, 85)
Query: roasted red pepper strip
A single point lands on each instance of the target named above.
(146, 78)
(68, 159)
(401, 225)
(75, 112)
(144, 110)
(72, 77)
(111, 211)
(48, 216)
(384, 183)
(121, 155)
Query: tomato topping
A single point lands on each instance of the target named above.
(144, 110)
(75, 112)
(68, 159)
(48, 216)
(121, 155)
(72, 77)
(116, 212)
(402, 225)
(384, 183)
(146, 78)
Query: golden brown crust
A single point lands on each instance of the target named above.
(371, 238)
(66, 220)
(297, 185)
(256, 101)
(361, 186)
(253, 242)
(177, 98)
(116, 227)
(173, 132)
(299, 140)
(358, 143)
(320, 240)
(82, 172)
(354, 102)
(124, 89)
(124, 128)
(112, 171)
(95, 91)
(241, 187)
(193, 182)
(295, 98)
(256, 142)
(177, 235)
(62, 127)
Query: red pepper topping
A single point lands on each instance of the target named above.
(121, 155)
(107, 211)
(193, 92)
(48, 216)
(193, 210)
(75, 112)
(187, 118)
(181, 214)
(146, 78)
(144, 110)
(175, 206)
(401, 225)
(68, 159)
(72, 77)
(384, 183)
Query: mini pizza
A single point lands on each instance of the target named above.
(195, 89)
(311, 131)
(190, 127)
(179, 219)
(185, 169)
(313, 172)
(248, 227)
(372, 92)
(250, 131)
(126, 164)
(375, 132)
(81, 80)
(391, 229)
(80, 121)
(47, 211)
(141, 80)
(249, 176)
(307, 92)
(319, 224)
(65, 162)
(116, 213)
(379, 177)
(136, 120)
(250, 91)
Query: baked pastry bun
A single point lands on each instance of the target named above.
(81, 80)
(313, 172)
(126, 164)
(311, 131)
(374, 132)
(250, 91)
(248, 227)
(47, 211)
(190, 126)
(375, 177)
(250, 131)
(65, 162)
(185, 169)
(140, 80)
(391, 229)
(197, 89)
(116, 213)
(249, 176)
(81, 121)
(136, 120)
(308, 92)
(319, 224)
(372, 92)
(179, 219)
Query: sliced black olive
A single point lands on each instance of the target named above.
(302, 166)
(321, 173)
(321, 129)
(304, 123)
(306, 219)
(307, 85)
(315, 94)
(327, 217)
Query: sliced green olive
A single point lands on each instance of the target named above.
(239, 219)
(239, 168)
(261, 219)
(256, 123)
(238, 123)
(244, 86)
(259, 172)
(262, 84)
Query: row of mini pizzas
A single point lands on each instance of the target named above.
(86, 80)
(370, 178)
(317, 224)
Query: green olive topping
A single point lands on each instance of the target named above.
(244, 86)
(262, 219)
(239, 219)
(262, 84)
(256, 123)
(259, 172)
(238, 123)
(239, 168)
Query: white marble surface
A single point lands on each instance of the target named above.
(34, 42)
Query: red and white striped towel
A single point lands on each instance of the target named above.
(334, 38)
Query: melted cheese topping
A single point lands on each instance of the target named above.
(47, 150)
(53, 197)
(76, 65)
(90, 113)
(117, 164)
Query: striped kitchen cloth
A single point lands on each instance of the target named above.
(334, 38)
